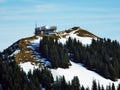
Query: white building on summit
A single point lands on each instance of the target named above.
(45, 30)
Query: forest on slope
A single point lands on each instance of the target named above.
(12, 77)
(101, 56)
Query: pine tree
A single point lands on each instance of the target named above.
(94, 86)
(82, 88)
(118, 88)
(63, 84)
(75, 83)
(113, 86)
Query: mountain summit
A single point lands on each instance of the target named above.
(24, 50)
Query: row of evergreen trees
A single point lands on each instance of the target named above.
(101, 56)
(12, 77)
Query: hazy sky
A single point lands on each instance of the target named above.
(18, 17)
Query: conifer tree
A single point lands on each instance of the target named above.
(94, 86)
(75, 83)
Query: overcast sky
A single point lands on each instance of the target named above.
(18, 17)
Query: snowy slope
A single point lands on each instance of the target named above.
(85, 76)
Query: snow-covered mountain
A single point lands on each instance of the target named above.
(25, 53)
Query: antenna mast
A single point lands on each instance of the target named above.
(35, 25)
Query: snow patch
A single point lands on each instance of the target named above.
(36, 40)
(83, 40)
(14, 53)
(27, 66)
(46, 62)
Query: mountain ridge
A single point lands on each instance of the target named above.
(24, 45)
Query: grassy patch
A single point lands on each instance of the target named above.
(25, 54)
(64, 36)
(85, 33)
(53, 36)
(68, 31)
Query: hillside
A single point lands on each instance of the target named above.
(27, 54)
